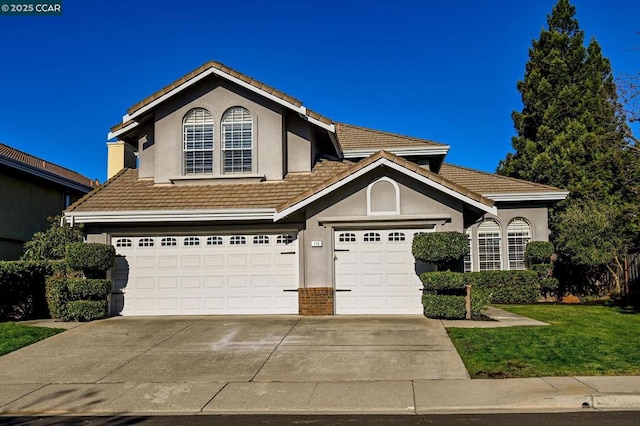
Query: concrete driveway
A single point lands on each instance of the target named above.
(139, 362)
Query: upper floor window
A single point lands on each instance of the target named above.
(197, 139)
(237, 141)
(518, 236)
(489, 246)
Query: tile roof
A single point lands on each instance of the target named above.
(125, 192)
(40, 164)
(357, 138)
(489, 183)
(229, 71)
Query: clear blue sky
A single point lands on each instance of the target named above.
(439, 70)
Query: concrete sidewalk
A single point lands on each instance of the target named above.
(235, 365)
(546, 394)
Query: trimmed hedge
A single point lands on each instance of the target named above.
(549, 286)
(440, 248)
(444, 306)
(443, 281)
(539, 252)
(512, 287)
(91, 258)
(87, 310)
(77, 299)
(88, 289)
(22, 289)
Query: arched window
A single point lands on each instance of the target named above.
(518, 236)
(237, 141)
(489, 246)
(197, 142)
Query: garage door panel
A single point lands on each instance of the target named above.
(380, 272)
(168, 283)
(190, 283)
(214, 277)
(191, 262)
(167, 262)
(237, 260)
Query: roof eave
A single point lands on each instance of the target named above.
(529, 196)
(301, 109)
(146, 216)
(400, 152)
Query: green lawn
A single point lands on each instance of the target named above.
(582, 340)
(15, 336)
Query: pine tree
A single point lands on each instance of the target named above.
(571, 132)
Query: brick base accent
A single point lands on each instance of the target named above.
(315, 301)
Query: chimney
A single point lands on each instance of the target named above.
(119, 156)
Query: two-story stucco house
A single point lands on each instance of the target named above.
(244, 201)
(31, 190)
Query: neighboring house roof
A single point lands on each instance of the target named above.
(126, 193)
(36, 166)
(501, 188)
(221, 70)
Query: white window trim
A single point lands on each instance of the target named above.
(394, 212)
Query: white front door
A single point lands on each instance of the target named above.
(206, 274)
(375, 272)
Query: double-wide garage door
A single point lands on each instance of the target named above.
(206, 274)
(376, 272)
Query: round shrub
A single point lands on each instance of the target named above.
(549, 286)
(91, 258)
(440, 248)
(544, 270)
(539, 252)
(87, 310)
(443, 281)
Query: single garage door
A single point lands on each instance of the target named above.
(206, 274)
(376, 272)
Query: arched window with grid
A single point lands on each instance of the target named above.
(518, 236)
(489, 246)
(197, 142)
(237, 141)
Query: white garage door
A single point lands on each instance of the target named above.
(375, 272)
(206, 274)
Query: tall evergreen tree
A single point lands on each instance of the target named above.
(571, 132)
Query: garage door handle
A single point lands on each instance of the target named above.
(292, 290)
(287, 252)
(341, 250)
(342, 289)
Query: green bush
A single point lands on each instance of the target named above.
(549, 285)
(57, 296)
(480, 298)
(443, 281)
(544, 270)
(512, 287)
(22, 289)
(443, 249)
(444, 306)
(539, 252)
(87, 310)
(50, 245)
(91, 258)
(88, 289)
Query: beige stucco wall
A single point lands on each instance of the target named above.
(217, 96)
(416, 200)
(298, 144)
